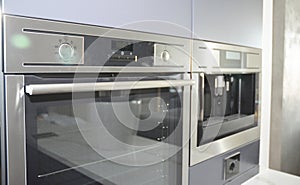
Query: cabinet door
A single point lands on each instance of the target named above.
(172, 17)
(231, 21)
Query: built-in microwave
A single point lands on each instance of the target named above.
(225, 101)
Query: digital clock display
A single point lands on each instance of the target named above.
(121, 45)
(230, 55)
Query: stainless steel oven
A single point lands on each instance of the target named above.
(225, 101)
(93, 105)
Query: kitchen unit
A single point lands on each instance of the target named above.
(224, 147)
(135, 101)
(92, 105)
(83, 104)
(111, 106)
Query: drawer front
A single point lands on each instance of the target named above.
(212, 170)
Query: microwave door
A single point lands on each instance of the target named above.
(228, 105)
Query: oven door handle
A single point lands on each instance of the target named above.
(39, 89)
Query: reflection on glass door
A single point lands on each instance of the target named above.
(114, 138)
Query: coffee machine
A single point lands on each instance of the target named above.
(224, 145)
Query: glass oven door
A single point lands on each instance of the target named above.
(108, 133)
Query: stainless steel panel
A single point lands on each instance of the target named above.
(185, 132)
(285, 117)
(15, 130)
(207, 151)
(2, 121)
(204, 57)
(36, 89)
(2, 131)
(277, 63)
(89, 69)
(227, 70)
(15, 26)
(167, 55)
(207, 57)
(253, 61)
(194, 116)
(45, 47)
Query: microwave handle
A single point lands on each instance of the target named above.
(201, 109)
(39, 89)
(201, 97)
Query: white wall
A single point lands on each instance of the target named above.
(166, 17)
(230, 21)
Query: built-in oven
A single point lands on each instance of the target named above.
(92, 105)
(225, 101)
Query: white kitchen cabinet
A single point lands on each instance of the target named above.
(229, 21)
(172, 17)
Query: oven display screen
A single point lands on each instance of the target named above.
(121, 45)
(230, 55)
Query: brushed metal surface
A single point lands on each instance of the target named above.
(285, 117)
(207, 151)
(185, 131)
(218, 70)
(37, 89)
(14, 27)
(44, 47)
(15, 130)
(291, 117)
(172, 53)
(2, 131)
(253, 60)
(207, 57)
(2, 121)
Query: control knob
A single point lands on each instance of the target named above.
(165, 55)
(66, 51)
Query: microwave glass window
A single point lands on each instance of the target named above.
(229, 106)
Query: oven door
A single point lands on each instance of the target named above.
(106, 132)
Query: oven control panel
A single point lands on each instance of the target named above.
(57, 49)
(167, 55)
(36, 45)
(69, 49)
(66, 51)
(105, 51)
